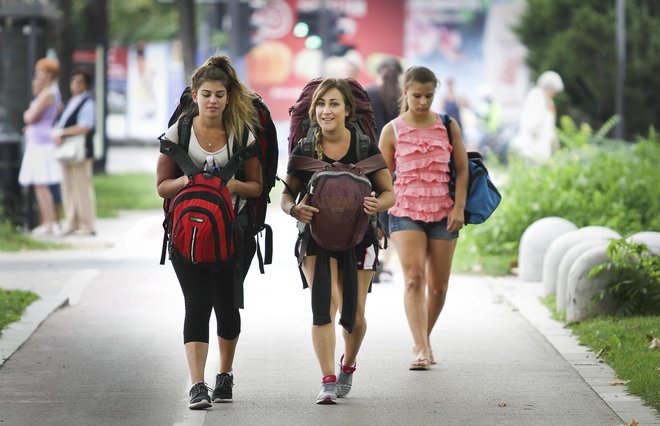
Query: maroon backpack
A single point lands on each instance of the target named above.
(363, 120)
(338, 191)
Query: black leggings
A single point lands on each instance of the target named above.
(206, 289)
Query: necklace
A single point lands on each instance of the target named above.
(204, 136)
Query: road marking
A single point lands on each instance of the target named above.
(75, 286)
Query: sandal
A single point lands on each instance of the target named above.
(420, 364)
(431, 357)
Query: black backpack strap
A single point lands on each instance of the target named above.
(188, 167)
(363, 143)
(446, 120)
(267, 257)
(308, 143)
(179, 155)
(165, 238)
(184, 127)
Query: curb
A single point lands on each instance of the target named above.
(19, 332)
(37, 312)
(524, 297)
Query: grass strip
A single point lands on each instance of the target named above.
(12, 305)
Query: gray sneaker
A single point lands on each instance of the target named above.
(328, 393)
(199, 397)
(345, 379)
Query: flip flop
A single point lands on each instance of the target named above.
(431, 357)
(420, 364)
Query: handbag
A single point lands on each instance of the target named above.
(482, 195)
(71, 150)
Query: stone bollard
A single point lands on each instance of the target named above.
(561, 245)
(567, 261)
(582, 290)
(650, 238)
(534, 243)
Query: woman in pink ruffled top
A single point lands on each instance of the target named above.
(425, 221)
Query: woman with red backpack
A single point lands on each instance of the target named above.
(332, 107)
(222, 113)
(425, 221)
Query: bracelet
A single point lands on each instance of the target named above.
(291, 210)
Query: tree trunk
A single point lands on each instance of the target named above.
(186, 10)
(64, 45)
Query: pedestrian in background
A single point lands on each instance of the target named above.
(385, 96)
(451, 103)
(425, 221)
(78, 118)
(224, 112)
(331, 108)
(39, 167)
(536, 139)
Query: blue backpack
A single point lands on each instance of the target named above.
(482, 197)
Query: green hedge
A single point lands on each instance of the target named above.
(612, 184)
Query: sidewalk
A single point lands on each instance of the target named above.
(492, 333)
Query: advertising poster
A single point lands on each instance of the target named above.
(280, 65)
(471, 42)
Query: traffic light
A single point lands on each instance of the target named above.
(332, 45)
(243, 29)
(320, 29)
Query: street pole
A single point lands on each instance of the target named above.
(619, 132)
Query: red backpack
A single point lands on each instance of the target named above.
(268, 154)
(363, 120)
(200, 222)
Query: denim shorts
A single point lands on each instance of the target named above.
(433, 230)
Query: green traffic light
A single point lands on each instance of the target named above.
(301, 30)
(313, 42)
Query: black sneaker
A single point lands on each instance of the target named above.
(223, 384)
(199, 397)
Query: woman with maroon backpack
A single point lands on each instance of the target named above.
(425, 220)
(331, 108)
(224, 113)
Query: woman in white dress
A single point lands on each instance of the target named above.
(39, 166)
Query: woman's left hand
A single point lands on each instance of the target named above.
(231, 186)
(456, 219)
(371, 204)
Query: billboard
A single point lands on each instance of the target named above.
(283, 61)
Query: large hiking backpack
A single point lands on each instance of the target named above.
(363, 121)
(268, 154)
(200, 222)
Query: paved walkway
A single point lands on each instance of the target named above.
(112, 353)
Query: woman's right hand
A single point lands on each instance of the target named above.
(303, 211)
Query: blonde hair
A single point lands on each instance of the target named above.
(416, 75)
(327, 84)
(240, 110)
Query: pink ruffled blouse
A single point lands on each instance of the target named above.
(422, 166)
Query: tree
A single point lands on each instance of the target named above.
(186, 10)
(134, 21)
(578, 40)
